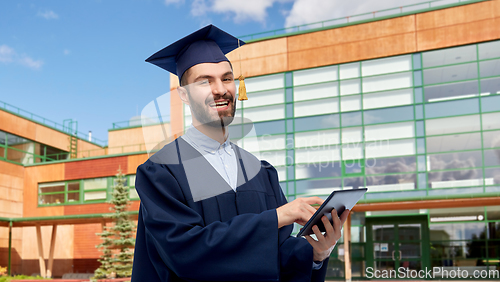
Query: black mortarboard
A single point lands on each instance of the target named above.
(206, 45)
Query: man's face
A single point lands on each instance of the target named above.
(211, 93)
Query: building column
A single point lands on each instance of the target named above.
(9, 266)
(51, 252)
(347, 249)
(41, 260)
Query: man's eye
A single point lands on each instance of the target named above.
(204, 82)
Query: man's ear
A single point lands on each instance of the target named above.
(183, 94)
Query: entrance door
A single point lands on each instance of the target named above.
(397, 243)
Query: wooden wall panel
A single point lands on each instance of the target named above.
(11, 189)
(51, 137)
(354, 51)
(354, 33)
(94, 168)
(125, 137)
(64, 242)
(459, 34)
(267, 56)
(458, 15)
(38, 174)
(17, 125)
(133, 139)
(176, 109)
(260, 65)
(134, 161)
(86, 149)
(263, 49)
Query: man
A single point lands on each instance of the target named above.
(211, 211)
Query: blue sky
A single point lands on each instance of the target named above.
(85, 59)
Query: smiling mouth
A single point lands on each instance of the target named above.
(219, 105)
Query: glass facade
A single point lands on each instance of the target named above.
(410, 127)
(19, 150)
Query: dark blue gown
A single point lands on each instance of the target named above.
(232, 236)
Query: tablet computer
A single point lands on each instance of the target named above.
(340, 200)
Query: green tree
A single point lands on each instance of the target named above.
(118, 239)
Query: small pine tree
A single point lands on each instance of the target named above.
(119, 236)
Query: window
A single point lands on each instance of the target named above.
(450, 73)
(316, 107)
(316, 91)
(452, 125)
(255, 84)
(81, 191)
(265, 98)
(386, 65)
(315, 75)
(449, 56)
(443, 92)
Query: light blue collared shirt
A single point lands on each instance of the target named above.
(221, 156)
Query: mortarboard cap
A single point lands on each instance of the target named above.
(206, 45)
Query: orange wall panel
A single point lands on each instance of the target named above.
(176, 109)
(133, 139)
(354, 33)
(261, 65)
(94, 168)
(459, 34)
(458, 15)
(125, 137)
(51, 137)
(17, 125)
(38, 174)
(86, 149)
(63, 247)
(354, 51)
(257, 50)
(134, 161)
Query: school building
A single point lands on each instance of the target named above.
(403, 101)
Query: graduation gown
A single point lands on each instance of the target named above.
(229, 236)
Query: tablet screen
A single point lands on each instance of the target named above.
(340, 200)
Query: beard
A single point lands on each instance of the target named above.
(205, 115)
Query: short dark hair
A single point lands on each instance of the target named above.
(184, 77)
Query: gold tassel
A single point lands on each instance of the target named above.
(242, 91)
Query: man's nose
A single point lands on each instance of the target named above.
(218, 88)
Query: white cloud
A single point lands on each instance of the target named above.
(29, 62)
(168, 2)
(9, 55)
(243, 10)
(239, 11)
(310, 11)
(6, 54)
(48, 15)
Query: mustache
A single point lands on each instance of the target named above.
(226, 96)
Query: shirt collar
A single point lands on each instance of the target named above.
(206, 143)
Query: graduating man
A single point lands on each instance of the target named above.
(210, 211)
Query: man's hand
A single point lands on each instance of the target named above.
(325, 243)
(298, 210)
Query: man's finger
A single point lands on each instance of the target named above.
(318, 234)
(328, 226)
(314, 200)
(336, 220)
(311, 241)
(344, 215)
